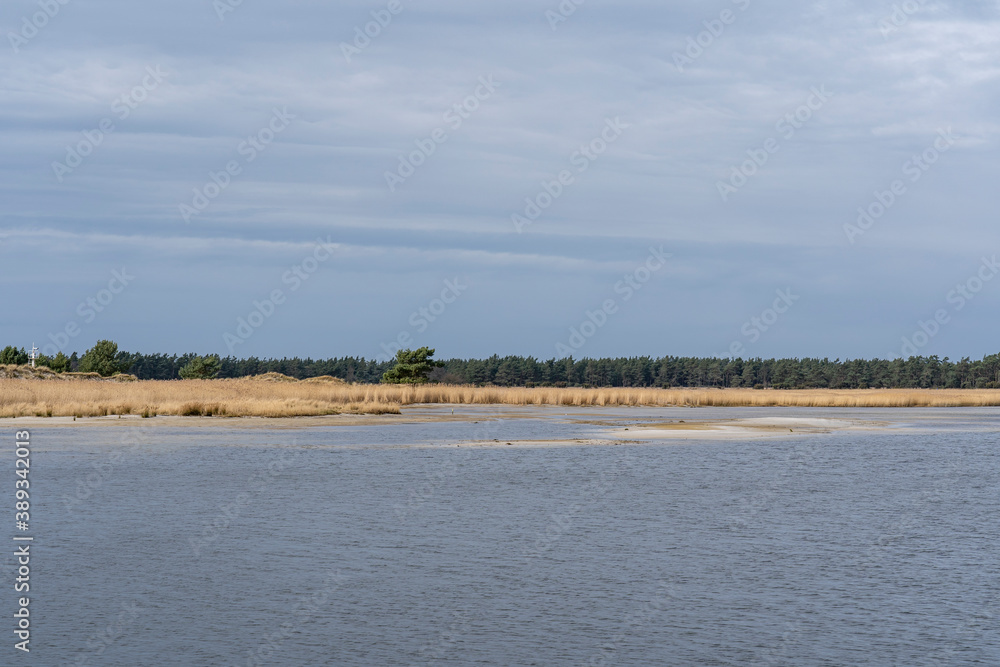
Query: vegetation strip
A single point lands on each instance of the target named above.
(275, 395)
(669, 371)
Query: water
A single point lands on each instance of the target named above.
(231, 544)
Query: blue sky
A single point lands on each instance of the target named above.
(534, 154)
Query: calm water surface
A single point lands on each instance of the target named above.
(236, 544)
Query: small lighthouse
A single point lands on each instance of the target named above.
(33, 355)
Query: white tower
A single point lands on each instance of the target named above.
(33, 355)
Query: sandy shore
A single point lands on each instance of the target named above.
(604, 426)
(171, 421)
(728, 429)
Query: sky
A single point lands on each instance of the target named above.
(532, 177)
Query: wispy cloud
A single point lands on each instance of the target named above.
(325, 174)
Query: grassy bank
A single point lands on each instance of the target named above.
(273, 395)
(266, 396)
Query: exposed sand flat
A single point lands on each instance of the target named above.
(566, 442)
(135, 421)
(623, 429)
(729, 429)
(486, 427)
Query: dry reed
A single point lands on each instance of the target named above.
(279, 397)
(224, 398)
(621, 396)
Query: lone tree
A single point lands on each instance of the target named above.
(103, 359)
(201, 368)
(412, 367)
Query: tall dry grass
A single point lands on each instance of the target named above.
(616, 396)
(285, 397)
(223, 398)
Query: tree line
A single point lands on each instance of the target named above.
(915, 372)
(516, 371)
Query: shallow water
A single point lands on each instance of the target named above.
(388, 545)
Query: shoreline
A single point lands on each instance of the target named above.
(436, 427)
(748, 427)
(606, 426)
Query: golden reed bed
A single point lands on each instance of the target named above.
(85, 397)
(266, 397)
(611, 396)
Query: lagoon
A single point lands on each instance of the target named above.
(424, 538)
